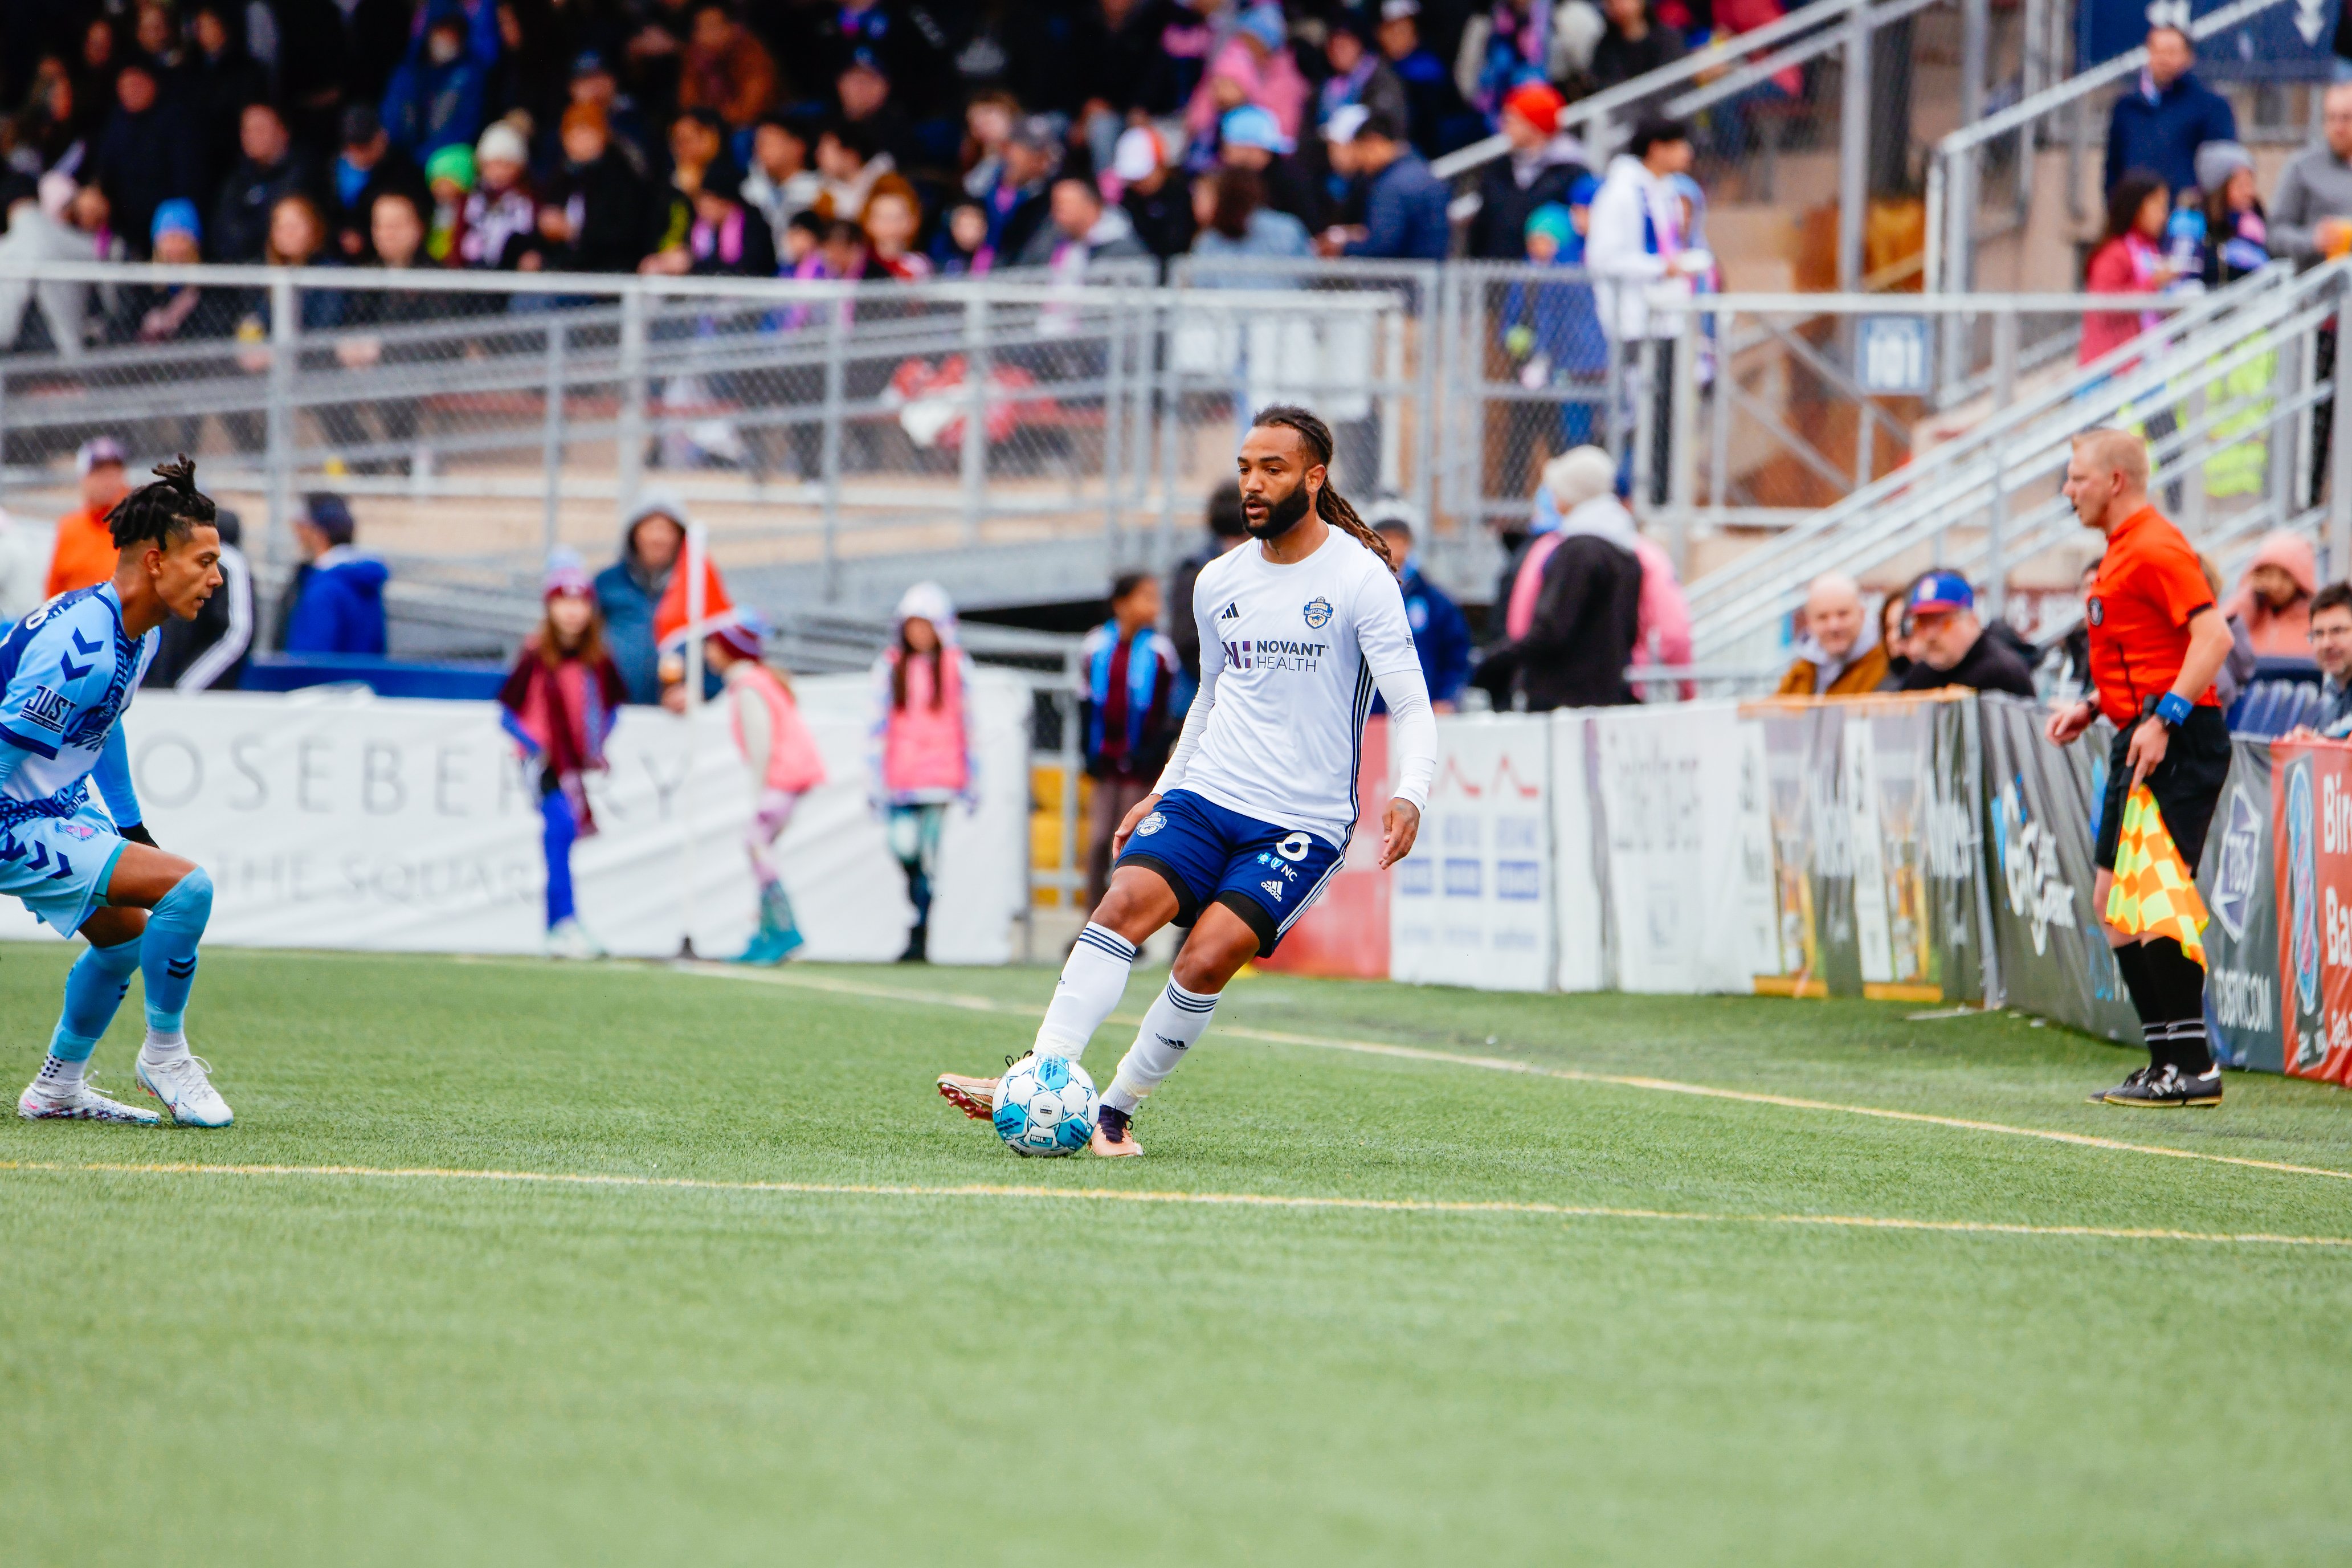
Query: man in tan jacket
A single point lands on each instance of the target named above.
(1831, 659)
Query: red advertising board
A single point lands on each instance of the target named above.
(2311, 802)
(1345, 934)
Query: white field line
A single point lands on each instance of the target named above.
(1226, 1200)
(1500, 1064)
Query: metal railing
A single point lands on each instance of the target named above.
(1981, 179)
(2225, 390)
(1022, 437)
(1734, 83)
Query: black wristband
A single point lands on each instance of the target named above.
(137, 833)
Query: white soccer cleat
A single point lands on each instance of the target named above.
(185, 1088)
(82, 1102)
(569, 939)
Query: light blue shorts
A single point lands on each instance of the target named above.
(58, 866)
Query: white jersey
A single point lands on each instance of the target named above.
(1289, 656)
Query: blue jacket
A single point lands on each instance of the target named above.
(341, 606)
(1404, 213)
(2163, 137)
(1441, 635)
(628, 607)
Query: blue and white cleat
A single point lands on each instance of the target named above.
(82, 1102)
(185, 1088)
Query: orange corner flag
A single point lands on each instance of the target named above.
(2154, 891)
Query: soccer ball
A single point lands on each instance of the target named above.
(1044, 1105)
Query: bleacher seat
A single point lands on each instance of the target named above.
(2284, 693)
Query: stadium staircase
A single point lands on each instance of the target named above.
(2232, 373)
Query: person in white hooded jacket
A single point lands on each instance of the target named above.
(1635, 244)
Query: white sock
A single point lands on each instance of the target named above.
(61, 1077)
(1177, 1019)
(1092, 983)
(163, 1048)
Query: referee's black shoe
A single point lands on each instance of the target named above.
(2131, 1080)
(2167, 1088)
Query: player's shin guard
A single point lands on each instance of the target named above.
(94, 989)
(175, 926)
(1092, 983)
(1178, 1019)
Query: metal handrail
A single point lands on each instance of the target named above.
(1833, 521)
(2020, 114)
(1976, 471)
(1586, 113)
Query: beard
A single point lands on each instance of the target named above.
(1281, 516)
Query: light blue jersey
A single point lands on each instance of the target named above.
(67, 672)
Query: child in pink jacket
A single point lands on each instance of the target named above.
(785, 765)
(922, 743)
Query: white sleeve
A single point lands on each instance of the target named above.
(1384, 632)
(1196, 718)
(1412, 734)
(1614, 251)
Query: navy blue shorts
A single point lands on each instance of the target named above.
(1267, 875)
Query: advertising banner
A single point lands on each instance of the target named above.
(1686, 872)
(1472, 904)
(2238, 878)
(328, 821)
(2042, 800)
(1876, 879)
(2311, 806)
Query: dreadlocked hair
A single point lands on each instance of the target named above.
(163, 511)
(1329, 504)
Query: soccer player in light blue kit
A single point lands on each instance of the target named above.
(67, 672)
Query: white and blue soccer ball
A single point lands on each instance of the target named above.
(1044, 1106)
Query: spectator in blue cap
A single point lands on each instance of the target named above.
(338, 594)
(1952, 647)
(1251, 137)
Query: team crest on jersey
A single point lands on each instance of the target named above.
(2098, 611)
(1149, 826)
(48, 709)
(1319, 613)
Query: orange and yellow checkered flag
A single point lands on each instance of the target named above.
(2153, 891)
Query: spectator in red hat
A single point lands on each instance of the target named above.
(1544, 166)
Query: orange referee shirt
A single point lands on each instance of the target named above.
(2148, 586)
(85, 554)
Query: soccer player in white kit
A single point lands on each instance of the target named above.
(1254, 810)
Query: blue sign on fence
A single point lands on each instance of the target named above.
(1890, 355)
(2293, 41)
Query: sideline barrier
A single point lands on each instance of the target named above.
(334, 821)
(1930, 848)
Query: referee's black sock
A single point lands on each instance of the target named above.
(2131, 963)
(2179, 984)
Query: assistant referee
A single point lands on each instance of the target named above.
(2157, 641)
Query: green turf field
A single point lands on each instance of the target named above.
(306, 1367)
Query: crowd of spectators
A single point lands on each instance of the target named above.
(860, 139)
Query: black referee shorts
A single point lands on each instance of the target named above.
(2187, 785)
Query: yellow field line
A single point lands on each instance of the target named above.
(1502, 1064)
(1095, 1194)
